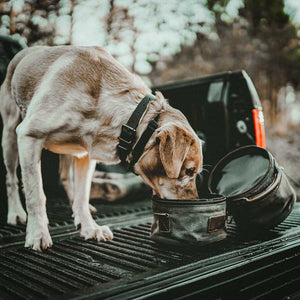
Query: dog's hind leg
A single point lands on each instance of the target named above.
(67, 178)
(11, 118)
(84, 169)
(66, 175)
(30, 148)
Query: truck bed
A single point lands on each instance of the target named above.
(133, 266)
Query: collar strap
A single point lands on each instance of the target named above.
(140, 145)
(128, 132)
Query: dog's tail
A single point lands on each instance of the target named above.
(6, 92)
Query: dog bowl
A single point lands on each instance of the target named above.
(197, 221)
(259, 195)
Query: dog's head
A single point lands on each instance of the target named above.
(170, 164)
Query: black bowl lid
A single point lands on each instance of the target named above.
(239, 171)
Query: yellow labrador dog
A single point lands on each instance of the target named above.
(74, 100)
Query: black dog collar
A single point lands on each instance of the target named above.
(128, 133)
(140, 145)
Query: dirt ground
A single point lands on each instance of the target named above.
(286, 150)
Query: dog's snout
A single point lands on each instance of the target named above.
(183, 193)
(190, 194)
(177, 189)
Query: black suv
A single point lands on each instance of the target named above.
(225, 111)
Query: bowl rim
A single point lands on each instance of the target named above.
(215, 198)
(220, 163)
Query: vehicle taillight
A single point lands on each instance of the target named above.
(259, 127)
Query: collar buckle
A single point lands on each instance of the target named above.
(126, 138)
(153, 125)
(128, 133)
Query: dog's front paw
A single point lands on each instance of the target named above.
(107, 232)
(16, 216)
(38, 241)
(38, 237)
(94, 231)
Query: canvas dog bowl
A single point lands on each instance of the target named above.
(258, 193)
(197, 221)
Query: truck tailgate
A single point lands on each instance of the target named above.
(133, 266)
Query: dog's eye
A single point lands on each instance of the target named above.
(190, 172)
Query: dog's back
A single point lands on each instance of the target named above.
(34, 62)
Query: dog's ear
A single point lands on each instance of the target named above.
(174, 143)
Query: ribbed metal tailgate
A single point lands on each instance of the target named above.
(132, 265)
